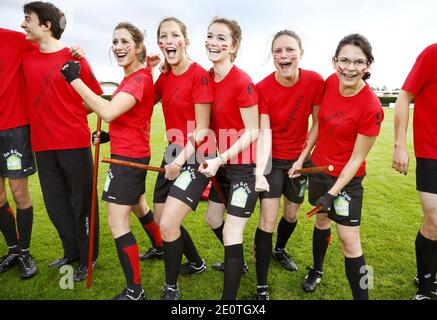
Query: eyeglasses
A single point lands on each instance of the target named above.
(345, 62)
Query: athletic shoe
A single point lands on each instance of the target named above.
(62, 262)
(418, 296)
(27, 266)
(282, 256)
(170, 292)
(152, 253)
(129, 294)
(434, 285)
(220, 266)
(262, 293)
(81, 272)
(312, 279)
(191, 268)
(8, 261)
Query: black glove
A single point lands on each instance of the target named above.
(326, 202)
(71, 70)
(104, 137)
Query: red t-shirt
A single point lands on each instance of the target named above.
(13, 109)
(288, 109)
(422, 83)
(179, 95)
(234, 92)
(57, 115)
(130, 132)
(341, 119)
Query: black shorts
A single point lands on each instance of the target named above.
(426, 175)
(189, 185)
(125, 185)
(280, 183)
(16, 157)
(237, 182)
(162, 185)
(348, 204)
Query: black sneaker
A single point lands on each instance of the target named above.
(8, 261)
(311, 280)
(262, 293)
(62, 262)
(129, 294)
(27, 266)
(418, 296)
(170, 292)
(81, 273)
(220, 266)
(191, 268)
(153, 253)
(282, 256)
(434, 285)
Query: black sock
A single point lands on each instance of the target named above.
(219, 232)
(152, 230)
(355, 272)
(263, 250)
(233, 265)
(127, 249)
(425, 259)
(190, 250)
(285, 230)
(321, 240)
(8, 227)
(173, 256)
(24, 224)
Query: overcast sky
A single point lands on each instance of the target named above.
(397, 29)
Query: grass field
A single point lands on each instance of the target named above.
(391, 218)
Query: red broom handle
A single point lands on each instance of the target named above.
(93, 207)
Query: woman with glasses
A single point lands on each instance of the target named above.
(350, 119)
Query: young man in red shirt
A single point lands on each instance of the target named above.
(60, 133)
(421, 86)
(17, 161)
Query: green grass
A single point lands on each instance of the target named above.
(391, 218)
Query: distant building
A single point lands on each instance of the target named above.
(387, 93)
(108, 87)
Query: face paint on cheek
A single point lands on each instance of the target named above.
(339, 69)
(207, 44)
(180, 43)
(161, 44)
(224, 47)
(128, 47)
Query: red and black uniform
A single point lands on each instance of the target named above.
(17, 160)
(288, 109)
(236, 177)
(60, 140)
(130, 141)
(341, 119)
(179, 95)
(422, 83)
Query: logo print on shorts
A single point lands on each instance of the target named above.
(13, 162)
(109, 178)
(341, 205)
(184, 180)
(239, 198)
